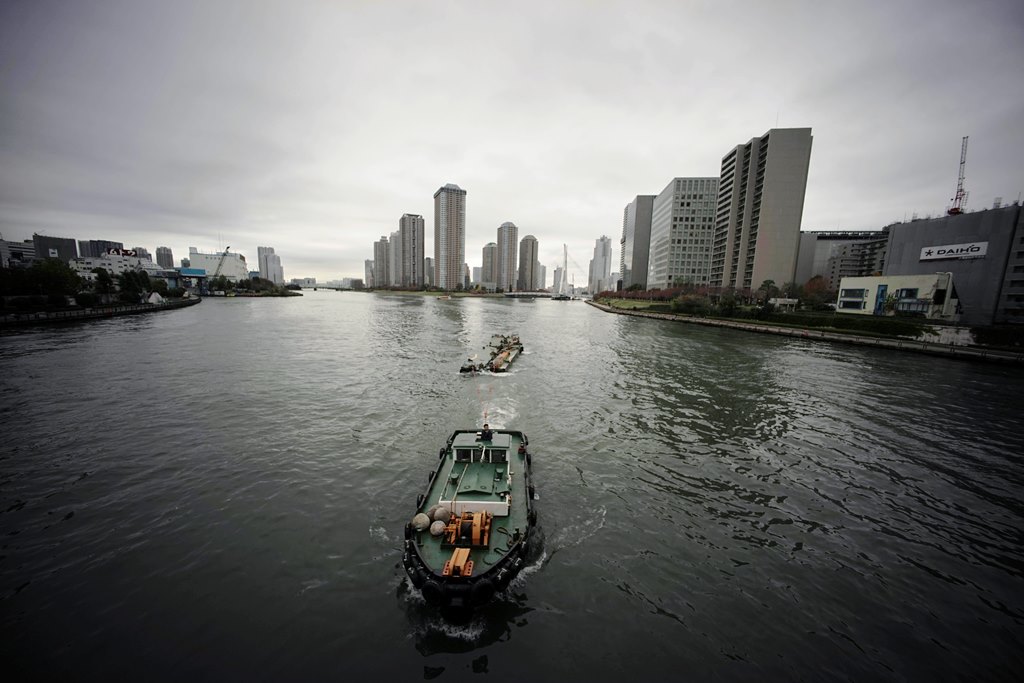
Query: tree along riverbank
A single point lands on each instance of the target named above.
(947, 350)
(98, 313)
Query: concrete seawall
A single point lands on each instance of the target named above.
(949, 351)
(51, 317)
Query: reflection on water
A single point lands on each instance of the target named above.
(220, 492)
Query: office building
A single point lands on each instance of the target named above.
(142, 252)
(835, 254)
(682, 232)
(529, 276)
(269, 264)
(411, 229)
(760, 207)
(599, 279)
(17, 254)
(449, 236)
(230, 264)
(164, 257)
(982, 250)
(635, 245)
(556, 286)
(97, 248)
(505, 266)
(61, 248)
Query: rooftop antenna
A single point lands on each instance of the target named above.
(960, 199)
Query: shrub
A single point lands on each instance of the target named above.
(86, 299)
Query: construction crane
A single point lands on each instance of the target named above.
(960, 200)
(225, 255)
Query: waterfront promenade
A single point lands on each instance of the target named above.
(50, 317)
(947, 350)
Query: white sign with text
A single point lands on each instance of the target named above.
(967, 250)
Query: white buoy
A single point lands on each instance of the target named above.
(420, 522)
(437, 528)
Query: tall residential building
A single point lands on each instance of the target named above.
(449, 236)
(542, 274)
(505, 267)
(529, 277)
(97, 248)
(164, 257)
(601, 267)
(368, 273)
(411, 227)
(395, 259)
(381, 262)
(635, 245)
(682, 232)
(760, 206)
(270, 265)
(142, 252)
(428, 271)
(488, 273)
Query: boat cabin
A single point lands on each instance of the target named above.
(480, 479)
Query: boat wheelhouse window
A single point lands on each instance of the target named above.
(498, 455)
(463, 455)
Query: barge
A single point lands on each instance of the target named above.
(474, 523)
(503, 349)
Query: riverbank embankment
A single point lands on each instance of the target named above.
(947, 350)
(50, 317)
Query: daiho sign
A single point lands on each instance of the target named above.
(968, 250)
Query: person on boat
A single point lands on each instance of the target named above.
(486, 434)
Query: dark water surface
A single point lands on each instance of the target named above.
(219, 493)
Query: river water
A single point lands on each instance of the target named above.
(219, 493)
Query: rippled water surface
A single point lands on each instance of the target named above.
(219, 493)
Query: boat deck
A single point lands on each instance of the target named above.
(478, 476)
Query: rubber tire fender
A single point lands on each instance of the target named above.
(432, 592)
(482, 592)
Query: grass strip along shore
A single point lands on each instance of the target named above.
(828, 334)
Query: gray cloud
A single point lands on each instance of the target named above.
(312, 127)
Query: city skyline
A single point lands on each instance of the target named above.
(145, 127)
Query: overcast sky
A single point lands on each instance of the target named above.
(312, 127)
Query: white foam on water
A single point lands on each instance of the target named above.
(576, 534)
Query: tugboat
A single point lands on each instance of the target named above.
(473, 524)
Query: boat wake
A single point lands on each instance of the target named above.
(501, 415)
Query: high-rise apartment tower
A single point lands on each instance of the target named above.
(508, 239)
(529, 276)
(635, 245)
(449, 236)
(760, 207)
(411, 227)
